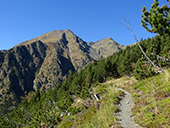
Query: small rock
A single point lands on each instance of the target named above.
(78, 101)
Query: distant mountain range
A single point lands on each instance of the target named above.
(42, 62)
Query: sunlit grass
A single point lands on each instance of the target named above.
(104, 115)
(151, 97)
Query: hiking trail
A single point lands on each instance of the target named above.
(124, 116)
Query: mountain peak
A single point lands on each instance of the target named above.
(68, 30)
(42, 62)
(108, 38)
(106, 47)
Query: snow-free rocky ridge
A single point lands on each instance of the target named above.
(42, 62)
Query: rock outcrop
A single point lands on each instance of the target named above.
(105, 47)
(42, 62)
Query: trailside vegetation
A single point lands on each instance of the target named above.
(157, 19)
(45, 108)
(48, 108)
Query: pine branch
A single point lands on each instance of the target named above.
(29, 114)
(129, 27)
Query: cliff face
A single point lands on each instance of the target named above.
(67, 52)
(42, 62)
(17, 71)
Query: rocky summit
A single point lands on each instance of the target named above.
(104, 47)
(42, 62)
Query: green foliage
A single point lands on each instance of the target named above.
(67, 124)
(87, 116)
(142, 71)
(157, 20)
(99, 118)
(65, 102)
(44, 104)
(101, 89)
(75, 110)
(5, 124)
(152, 104)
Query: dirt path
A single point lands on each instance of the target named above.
(125, 117)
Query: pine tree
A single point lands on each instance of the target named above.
(158, 19)
(142, 71)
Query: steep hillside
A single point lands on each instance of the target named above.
(18, 68)
(151, 99)
(40, 63)
(71, 46)
(73, 103)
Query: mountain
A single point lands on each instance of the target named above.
(105, 47)
(42, 62)
(2, 50)
(98, 90)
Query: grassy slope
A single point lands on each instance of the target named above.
(152, 99)
(103, 117)
(151, 109)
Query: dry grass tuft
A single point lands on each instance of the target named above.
(167, 76)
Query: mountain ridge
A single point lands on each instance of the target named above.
(42, 62)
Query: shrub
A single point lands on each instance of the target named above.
(142, 71)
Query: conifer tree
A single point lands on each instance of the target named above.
(129, 27)
(158, 19)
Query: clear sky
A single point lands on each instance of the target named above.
(91, 20)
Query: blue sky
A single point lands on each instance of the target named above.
(91, 20)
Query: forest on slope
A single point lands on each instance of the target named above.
(42, 62)
(47, 106)
(44, 109)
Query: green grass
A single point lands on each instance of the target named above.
(151, 109)
(151, 97)
(152, 101)
(103, 117)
